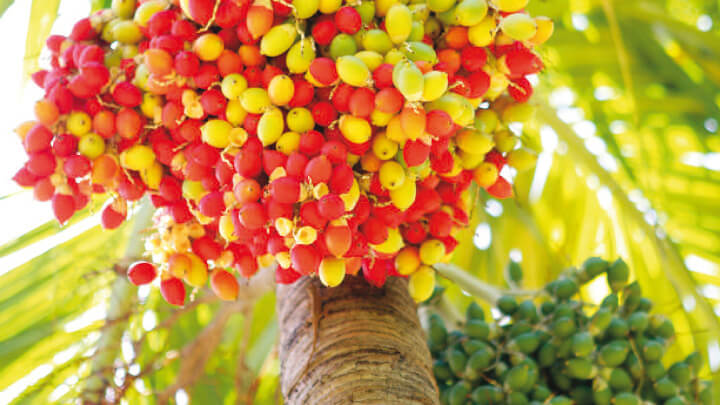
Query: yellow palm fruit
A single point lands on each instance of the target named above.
(392, 175)
(472, 141)
(300, 56)
(522, 159)
(394, 56)
(545, 28)
(152, 175)
(521, 112)
(505, 141)
(283, 259)
(510, 6)
(518, 26)
(238, 137)
(148, 9)
(288, 143)
(353, 71)
(394, 130)
(226, 228)
(233, 86)
(332, 271)
(383, 147)
(486, 174)
(436, 83)
(193, 190)
(278, 40)
(305, 235)
(283, 226)
(300, 120)
(404, 196)
(91, 145)
(329, 6)
(486, 121)
(431, 251)
(383, 6)
(392, 244)
(255, 100)
(409, 80)
(208, 47)
(216, 133)
(457, 106)
(79, 123)
(469, 161)
(482, 34)
(379, 118)
(137, 157)
(498, 84)
(235, 113)
(306, 8)
(354, 129)
(407, 260)
(371, 59)
(126, 32)
(150, 106)
(398, 23)
(421, 283)
(470, 12)
(270, 126)
(352, 196)
(197, 274)
(281, 90)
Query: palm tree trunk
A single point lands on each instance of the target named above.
(352, 344)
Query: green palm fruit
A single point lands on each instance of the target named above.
(516, 378)
(475, 311)
(655, 370)
(661, 326)
(617, 275)
(665, 388)
(563, 288)
(560, 400)
(600, 321)
(633, 365)
(507, 304)
(694, 360)
(519, 327)
(620, 380)
(602, 395)
(618, 328)
(560, 379)
(481, 359)
(442, 371)
(582, 344)
(626, 398)
(541, 393)
(676, 400)
(563, 327)
(470, 346)
(470, 12)
(516, 398)
(547, 354)
(477, 329)
(487, 395)
(526, 342)
(645, 304)
(420, 51)
(631, 297)
(652, 350)
(680, 373)
(547, 308)
(594, 267)
(528, 311)
(514, 273)
(456, 360)
(581, 368)
(582, 394)
(366, 9)
(614, 353)
(611, 301)
(564, 309)
(437, 332)
(341, 45)
(458, 393)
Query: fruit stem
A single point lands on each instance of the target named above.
(476, 287)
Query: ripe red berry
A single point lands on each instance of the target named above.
(305, 259)
(37, 139)
(252, 216)
(473, 58)
(348, 20)
(212, 204)
(324, 31)
(111, 219)
(323, 70)
(415, 152)
(341, 179)
(338, 239)
(286, 276)
(127, 95)
(501, 189)
(331, 206)
(140, 273)
(520, 89)
(173, 291)
(63, 206)
(361, 102)
(224, 285)
(41, 164)
(285, 190)
(318, 169)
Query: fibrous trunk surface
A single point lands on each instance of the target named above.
(352, 344)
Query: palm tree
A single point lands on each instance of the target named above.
(627, 121)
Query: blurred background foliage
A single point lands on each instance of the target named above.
(627, 130)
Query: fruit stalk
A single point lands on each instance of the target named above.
(352, 344)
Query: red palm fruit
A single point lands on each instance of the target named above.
(414, 232)
(362, 209)
(520, 89)
(305, 259)
(473, 58)
(250, 55)
(41, 164)
(173, 291)
(54, 42)
(38, 138)
(62, 97)
(253, 74)
(268, 73)
(76, 166)
(212, 204)
(186, 64)
(170, 188)
(128, 123)
(104, 170)
(415, 152)
(83, 30)
(362, 102)
(323, 70)
(324, 31)
(311, 142)
(25, 178)
(111, 219)
(439, 146)
(224, 172)
(276, 210)
(442, 163)
(440, 224)
(522, 62)
(161, 23)
(201, 11)
(210, 182)
(331, 206)
(480, 83)
(91, 53)
(336, 151)
(376, 187)
(213, 102)
(131, 189)
(310, 215)
(338, 239)
(304, 92)
(196, 172)
(247, 190)
(104, 123)
(164, 151)
(46, 112)
(180, 212)
(189, 130)
(456, 37)
(206, 75)
(273, 159)
(224, 285)
(80, 87)
(501, 189)
(461, 216)
(389, 214)
(374, 230)
(286, 276)
(228, 14)
(39, 78)
(248, 163)
(158, 61)
(285, 190)
(252, 216)
(323, 113)
(259, 20)
(43, 189)
(318, 169)
(447, 193)
(206, 248)
(460, 85)
(172, 114)
(171, 44)
(427, 200)
(246, 265)
(184, 29)
(348, 20)
(127, 95)
(375, 271)
(63, 206)
(389, 100)
(244, 35)
(341, 179)
(353, 265)
(295, 165)
(204, 154)
(341, 97)
(413, 121)
(496, 158)
(229, 62)
(451, 60)
(140, 273)
(382, 76)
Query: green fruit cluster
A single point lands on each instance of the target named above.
(563, 351)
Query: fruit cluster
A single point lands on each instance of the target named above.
(329, 137)
(561, 353)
